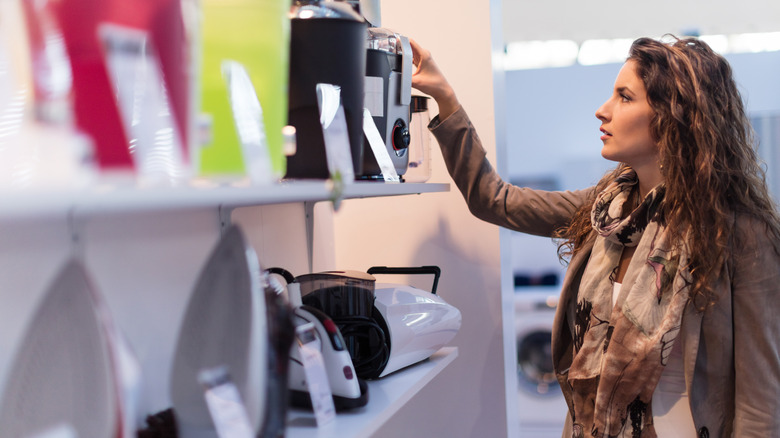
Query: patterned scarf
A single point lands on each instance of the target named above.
(621, 350)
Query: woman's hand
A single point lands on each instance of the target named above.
(430, 80)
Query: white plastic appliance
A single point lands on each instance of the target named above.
(224, 325)
(386, 326)
(416, 323)
(348, 391)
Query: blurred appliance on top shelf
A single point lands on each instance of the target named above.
(369, 9)
(256, 35)
(327, 46)
(107, 64)
(39, 144)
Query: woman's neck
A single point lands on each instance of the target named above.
(649, 178)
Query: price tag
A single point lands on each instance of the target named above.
(378, 148)
(316, 376)
(334, 132)
(225, 405)
(136, 74)
(248, 118)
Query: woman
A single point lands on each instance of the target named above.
(668, 319)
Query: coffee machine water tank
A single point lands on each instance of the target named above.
(420, 145)
(388, 93)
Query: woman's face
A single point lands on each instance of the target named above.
(625, 122)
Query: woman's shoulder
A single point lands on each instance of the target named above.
(750, 224)
(752, 232)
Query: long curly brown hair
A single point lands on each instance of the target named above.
(707, 156)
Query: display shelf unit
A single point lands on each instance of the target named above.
(385, 397)
(113, 200)
(104, 198)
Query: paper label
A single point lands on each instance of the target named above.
(379, 148)
(374, 98)
(316, 376)
(148, 121)
(225, 405)
(334, 132)
(248, 119)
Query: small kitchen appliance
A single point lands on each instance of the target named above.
(100, 59)
(348, 298)
(327, 46)
(386, 326)
(417, 323)
(348, 390)
(388, 94)
(256, 35)
(420, 145)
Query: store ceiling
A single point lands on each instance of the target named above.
(576, 20)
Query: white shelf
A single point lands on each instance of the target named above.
(112, 199)
(385, 397)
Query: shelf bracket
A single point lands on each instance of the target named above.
(225, 218)
(308, 210)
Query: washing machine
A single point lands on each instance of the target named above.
(541, 406)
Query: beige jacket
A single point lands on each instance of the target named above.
(731, 350)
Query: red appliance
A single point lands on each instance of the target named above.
(95, 105)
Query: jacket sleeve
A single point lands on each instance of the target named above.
(756, 318)
(487, 195)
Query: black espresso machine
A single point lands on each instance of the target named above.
(372, 67)
(327, 45)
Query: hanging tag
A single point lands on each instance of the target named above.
(334, 132)
(248, 119)
(225, 405)
(374, 95)
(378, 147)
(135, 72)
(316, 376)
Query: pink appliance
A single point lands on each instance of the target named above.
(96, 109)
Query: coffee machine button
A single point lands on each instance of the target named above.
(401, 137)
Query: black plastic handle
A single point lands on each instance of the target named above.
(288, 277)
(428, 270)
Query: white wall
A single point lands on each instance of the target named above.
(468, 399)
